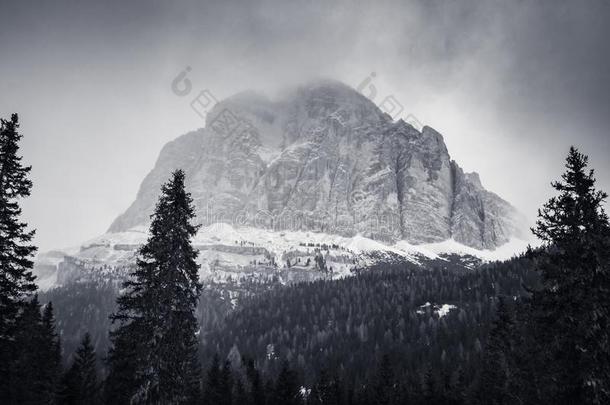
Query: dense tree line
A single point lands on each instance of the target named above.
(342, 328)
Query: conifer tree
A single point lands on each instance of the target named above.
(16, 251)
(156, 314)
(26, 378)
(572, 308)
(121, 383)
(80, 385)
(36, 357)
(51, 353)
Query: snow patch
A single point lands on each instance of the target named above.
(441, 310)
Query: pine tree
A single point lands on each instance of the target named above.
(121, 383)
(51, 353)
(572, 308)
(85, 364)
(26, 378)
(80, 385)
(36, 365)
(16, 278)
(157, 311)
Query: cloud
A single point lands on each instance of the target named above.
(509, 84)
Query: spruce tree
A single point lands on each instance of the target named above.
(156, 314)
(123, 359)
(80, 385)
(26, 378)
(16, 251)
(36, 357)
(51, 357)
(572, 308)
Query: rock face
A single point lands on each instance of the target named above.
(325, 158)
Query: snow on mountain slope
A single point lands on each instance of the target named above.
(228, 254)
(314, 184)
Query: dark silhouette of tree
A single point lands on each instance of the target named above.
(80, 383)
(572, 309)
(36, 366)
(27, 378)
(51, 353)
(157, 311)
(16, 251)
(122, 383)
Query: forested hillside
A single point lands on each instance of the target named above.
(426, 319)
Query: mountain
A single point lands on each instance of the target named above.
(325, 158)
(312, 185)
(315, 185)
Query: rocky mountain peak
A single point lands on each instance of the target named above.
(323, 157)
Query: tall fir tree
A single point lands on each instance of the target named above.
(123, 359)
(16, 250)
(51, 358)
(26, 378)
(156, 314)
(572, 308)
(80, 383)
(35, 368)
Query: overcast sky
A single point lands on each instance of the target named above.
(510, 85)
